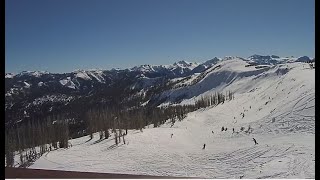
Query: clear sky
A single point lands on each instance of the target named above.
(64, 35)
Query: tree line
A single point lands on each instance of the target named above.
(54, 131)
(214, 99)
(48, 134)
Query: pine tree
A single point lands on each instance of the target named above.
(116, 137)
(120, 133)
(9, 153)
(101, 135)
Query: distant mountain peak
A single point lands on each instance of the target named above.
(32, 73)
(9, 75)
(230, 57)
(303, 59)
(274, 56)
(183, 62)
(267, 59)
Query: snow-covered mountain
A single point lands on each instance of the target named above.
(154, 82)
(260, 59)
(303, 59)
(274, 104)
(273, 59)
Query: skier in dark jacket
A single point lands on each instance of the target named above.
(204, 146)
(255, 142)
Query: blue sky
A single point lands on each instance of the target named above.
(64, 35)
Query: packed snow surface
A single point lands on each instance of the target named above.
(277, 103)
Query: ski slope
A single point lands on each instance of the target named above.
(278, 104)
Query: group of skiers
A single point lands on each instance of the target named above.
(254, 140)
(204, 145)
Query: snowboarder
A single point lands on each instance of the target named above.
(204, 146)
(171, 135)
(255, 142)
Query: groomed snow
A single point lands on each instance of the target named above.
(278, 104)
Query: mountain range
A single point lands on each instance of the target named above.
(31, 94)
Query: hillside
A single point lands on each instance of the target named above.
(275, 104)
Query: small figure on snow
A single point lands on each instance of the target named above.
(255, 142)
(171, 135)
(204, 146)
(212, 132)
(222, 129)
(232, 130)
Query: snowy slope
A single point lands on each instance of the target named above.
(278, 104)
(216, 78)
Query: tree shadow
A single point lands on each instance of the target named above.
(88, 140)
(114, 146)
(104, 139)
(97, 141)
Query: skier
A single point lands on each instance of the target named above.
(204, 146)
(232, 130)
(255, 142)
(171, 135)
(212, 132)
